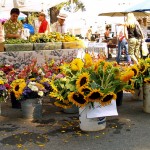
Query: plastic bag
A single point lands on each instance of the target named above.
(144, 48)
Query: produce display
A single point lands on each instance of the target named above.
(53, 37)
(16, 41)
(41, 41)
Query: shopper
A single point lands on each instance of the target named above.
(60, 25)
(122, 45)
(13, 27)
(134, 35)
(107, 33)
(44, 26)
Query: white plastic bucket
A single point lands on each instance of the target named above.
(90, 124)
(146, 98)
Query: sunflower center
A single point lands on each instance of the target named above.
(107, 98)
(83, 81)
(17, 88)
(95, 95)
(142, 68)
(86, 91)
(135, 72)
(129, 83)
(79, 98)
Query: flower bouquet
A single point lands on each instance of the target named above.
(29, 83)
(4, 88)
(144, 72)
(89, 84)
(142, 77)
(87, 81)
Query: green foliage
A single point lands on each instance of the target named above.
(78, 5)
(16, 41)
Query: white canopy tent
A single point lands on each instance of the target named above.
(6, 15)
(28, 5)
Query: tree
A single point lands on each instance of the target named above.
(54, 11)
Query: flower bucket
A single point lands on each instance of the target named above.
(32, 108)
(0, 109)
(119, 98)
(90, 124)
(138, 94)
(73, 110)
(146, 98)
(15, 103)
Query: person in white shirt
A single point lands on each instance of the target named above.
(60, 25)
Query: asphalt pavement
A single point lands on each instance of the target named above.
(130, 130)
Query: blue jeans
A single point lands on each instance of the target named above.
(123, 44)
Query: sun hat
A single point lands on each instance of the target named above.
(62, 16)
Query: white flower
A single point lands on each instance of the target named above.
(41, 93)
(34, 88)
(1, 73)
(41, 72)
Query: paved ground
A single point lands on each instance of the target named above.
(59, 131)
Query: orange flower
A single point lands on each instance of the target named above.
(127, 76)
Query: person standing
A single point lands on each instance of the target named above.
(2, 39)
(13, 27)
(107, 33)
(60, 25)
(44, 26)
(89, 33)
(134, 35)
(122, 44)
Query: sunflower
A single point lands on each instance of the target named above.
(135, 69)
(106, 66)
(84, 90)
(77, 99)
(147, 80)
(83, 79)
(53, 86)
(95, 96)
(106, 100)
(143, 66)
(88, 60)
(96, 64)
(18, 87)
(147, 60)
(77, 64)
(116, 72)
(131, 82)
(127, 76)
(1, 82)
(62, 104)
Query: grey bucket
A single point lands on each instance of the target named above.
(32, 108)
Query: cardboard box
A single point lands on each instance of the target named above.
(1, 47)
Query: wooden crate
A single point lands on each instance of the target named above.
(73, 45)
(1, 47)
(19, 47)
(48, 46)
